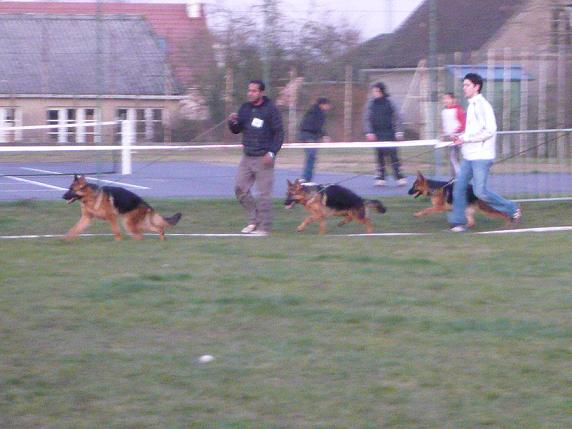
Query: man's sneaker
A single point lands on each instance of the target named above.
(458, 228)
(516, 217)
(402, 182)
(260, 233)
(249, 229)
(379, 182)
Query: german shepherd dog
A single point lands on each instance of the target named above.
(323, 201)
(441, 194)
(111, 203)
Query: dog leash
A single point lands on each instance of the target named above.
(555, 139)
(194, 139)
(391, 164)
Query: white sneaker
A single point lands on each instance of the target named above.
(458, 228)
(260, 233)
(379, 182)
(402, 182)
(517, 216)
(249, 229)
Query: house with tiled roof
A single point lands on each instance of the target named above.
(520, 47)
(65, 62)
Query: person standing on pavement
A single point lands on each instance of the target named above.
(478, 149)
(260, 123)
(382, 122)
(312, 131)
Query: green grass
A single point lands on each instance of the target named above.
(435, 331)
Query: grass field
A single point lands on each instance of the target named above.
(434, 331)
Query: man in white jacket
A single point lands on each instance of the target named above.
(478, 150)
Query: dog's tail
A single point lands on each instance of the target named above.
(173, 220)
(376, 205)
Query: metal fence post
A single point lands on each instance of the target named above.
(127, 140)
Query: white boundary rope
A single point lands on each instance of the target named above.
(341, 145)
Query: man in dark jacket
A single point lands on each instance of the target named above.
(311, 131)
(383, 123)
(260, 123)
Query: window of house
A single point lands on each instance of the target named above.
(10, 117)
(148, 123)
(84, 134)
(561, 27)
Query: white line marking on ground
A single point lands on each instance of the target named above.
(542, 200)
(17, 237)
(518, 231)
(90, 178)
(33, 182)
(382, 234)
(27, 190)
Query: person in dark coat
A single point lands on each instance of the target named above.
(260, 123)
(382, 122)
(311, 130)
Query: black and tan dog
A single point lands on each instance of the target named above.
(323, 201)
(112, 203)
(441, 194)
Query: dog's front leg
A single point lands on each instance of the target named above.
(79, 227)
(115, 228)
(470, 215)
(305, 223)
(347, 219)
(428, 211)
(322, 225)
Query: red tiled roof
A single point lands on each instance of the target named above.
(189, 43)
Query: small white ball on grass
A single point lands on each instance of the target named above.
(206, 358)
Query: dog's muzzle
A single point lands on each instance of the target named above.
(70, 197)
(415, 192)
(288, 204)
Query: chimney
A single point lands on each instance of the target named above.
(194, 9)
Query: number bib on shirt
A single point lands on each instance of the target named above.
(257, 123)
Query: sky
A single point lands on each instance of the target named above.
(373, 17)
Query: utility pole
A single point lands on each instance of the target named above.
(433, 78)
(268, 19)
(389, 16)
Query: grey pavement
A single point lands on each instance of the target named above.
(181, 179)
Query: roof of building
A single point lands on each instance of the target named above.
(46, 54)
(463, 26)
(189, 43)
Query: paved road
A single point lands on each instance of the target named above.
(182, 179)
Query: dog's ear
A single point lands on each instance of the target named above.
(420, 176)
(289, 183)
(75, 177)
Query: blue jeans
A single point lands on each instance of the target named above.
(311, 155)
(478, 171)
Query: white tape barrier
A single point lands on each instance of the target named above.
(340, 145)
(128, 145)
